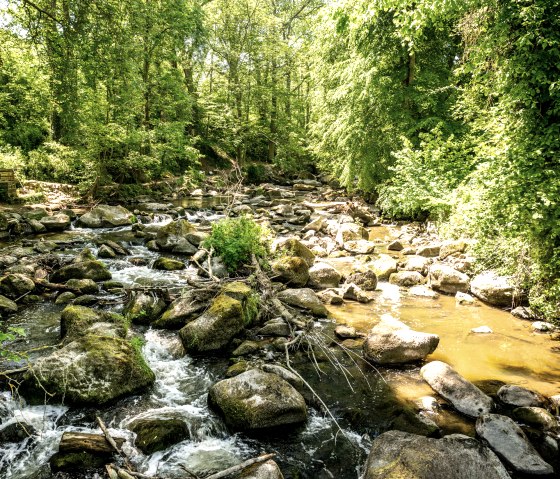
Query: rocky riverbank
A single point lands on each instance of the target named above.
(118, 276)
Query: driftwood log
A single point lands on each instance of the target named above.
(86, 442)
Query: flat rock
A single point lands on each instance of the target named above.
(401, 455)
(464, 396)
(518, 396)
(510, 443)
(303, 298)
(105, 216)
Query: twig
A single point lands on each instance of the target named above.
(240, 467)
(108, 437)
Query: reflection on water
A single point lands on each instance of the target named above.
(511, 353)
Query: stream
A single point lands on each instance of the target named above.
(365, 401)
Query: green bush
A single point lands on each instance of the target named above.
(236, 239)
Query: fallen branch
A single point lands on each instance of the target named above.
(240, 467)
(56, 286)
(109, 438)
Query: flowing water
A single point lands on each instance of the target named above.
(365, 401)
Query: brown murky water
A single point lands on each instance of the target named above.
(512, 353)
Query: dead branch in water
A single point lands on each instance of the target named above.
(240, 467)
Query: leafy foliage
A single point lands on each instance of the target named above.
(235, 240)
(11, 334)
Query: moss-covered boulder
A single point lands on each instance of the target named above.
(65, 297)
(264, 470)
(7, 306)
(175, 237)
(294, 247)
(216, 327)
(83, 286)
(76, 320)
(168, 264)
(181, 311)
(291, 270)
(91, 269)
(257, 400)
(143, 308)
(237, 290)
(92, 370)
(16, 285)
(105, 216)
(157, 434)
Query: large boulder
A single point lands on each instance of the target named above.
(509, 442)
(401, 455)
(214, 329)
(92, 370)
(518, 396)
(168, 264)
(105, 216)
(143, 308)
(493, 289)
(447, 280)
(89, 269)
(56, 222)
(176, 237)
(396, 343)
(16, 285)
(291, 270)
(305, 299)
(294, 247)
(323, 275)
(536, 417)
(257, 400)
(464, 396)
(416, 263)
(181, 311)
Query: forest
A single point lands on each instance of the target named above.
(445, 110)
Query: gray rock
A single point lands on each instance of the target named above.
(265, 470)
(396, 343)
(509, 442)
(482, 330)
(401, 455)
(180, 311)
(275, 327)
(523, 312)
(543, 327)
(447, 280)
(36, 226)
(257, 400)
(518, 396)
(355, 293)
(84, 286)
(423, 292)
(105, 216)
(417, 263)
(143, 308)
(350, 232)
(430, 250)
(7, 306)
(56, 222)
(395, 245)
(406, 278)
(175, 237)
(535, 416)
(493, 289)
(464, 396)
(323, 275)
(451, 247)
(384, 266)
(367, 279)
(294, 247)
(90, 269)
(303, 298)
(361, 246)
(464, 299)
(105, 251)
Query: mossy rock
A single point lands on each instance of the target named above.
(92, 269)
(7, 306)
(237, 290)
(168, 264)
(92, 370)
(180, 312)
(216, 327)
(294, 247)
(65, 297)
(75, 320)
(174, 237)
(156, 434)
(16, 285)
(257, 400)
(291, 270)
(105, 216)
(78, 461)
(84, 286)
(143, 308)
